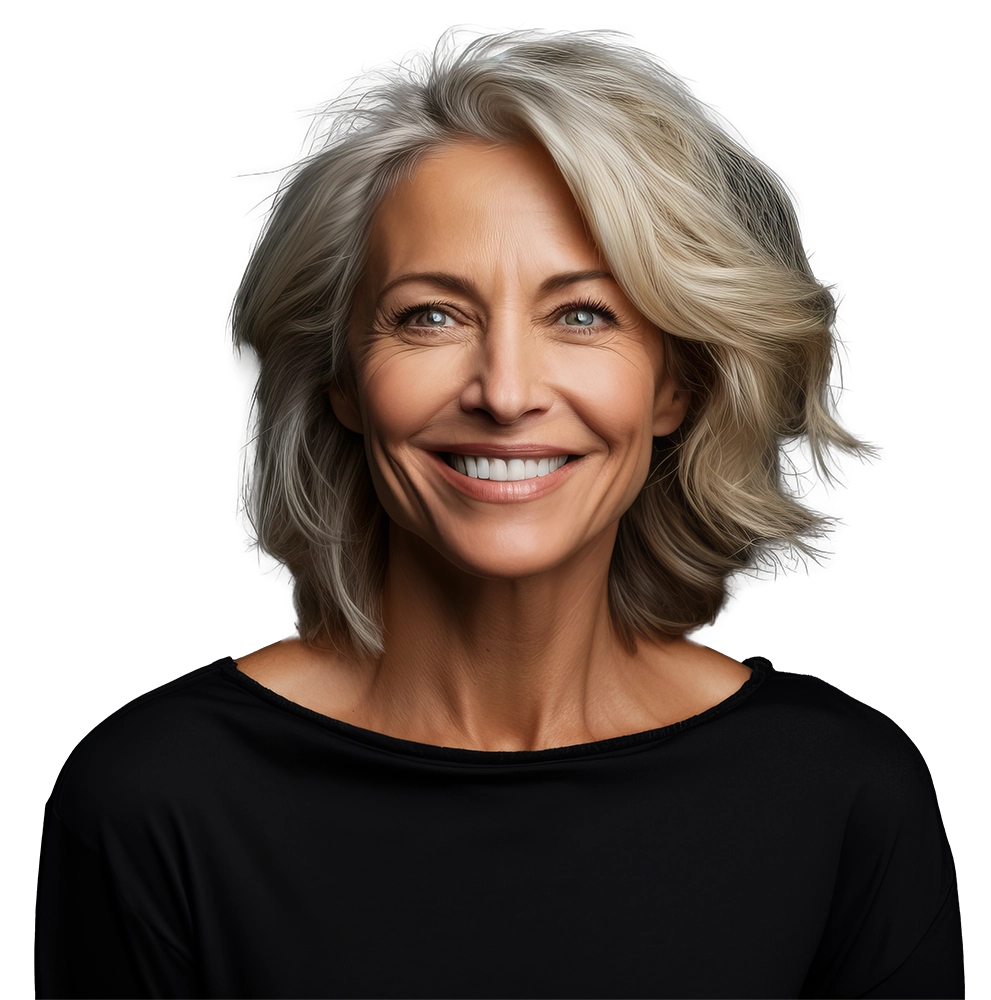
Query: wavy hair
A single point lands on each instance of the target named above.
(700, 235)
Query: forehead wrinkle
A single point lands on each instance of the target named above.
(442, 224)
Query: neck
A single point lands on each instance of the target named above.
(497, 663)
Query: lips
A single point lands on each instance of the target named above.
(506, 490)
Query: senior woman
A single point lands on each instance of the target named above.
(532, 332)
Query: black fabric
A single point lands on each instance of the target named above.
(212, 839)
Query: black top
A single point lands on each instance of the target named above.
(213, 839)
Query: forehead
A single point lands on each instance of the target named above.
(471, 203)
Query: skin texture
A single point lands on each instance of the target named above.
(488, 323)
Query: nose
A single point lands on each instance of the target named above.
(506, 377)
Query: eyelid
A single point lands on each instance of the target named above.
(401, 315)
(588, 305)
(446, 313)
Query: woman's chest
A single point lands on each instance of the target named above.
(551, 887)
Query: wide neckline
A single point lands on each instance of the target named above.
(760, 670)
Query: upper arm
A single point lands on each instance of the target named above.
(894, 922)
(89, 942)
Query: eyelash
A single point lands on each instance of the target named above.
(587, 305)
(400, 317)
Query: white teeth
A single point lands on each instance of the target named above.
(503, 470)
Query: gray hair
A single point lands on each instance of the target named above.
(700, 235)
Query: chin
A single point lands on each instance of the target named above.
(515, 558)
(509, 568)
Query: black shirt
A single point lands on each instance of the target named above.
(214, 839)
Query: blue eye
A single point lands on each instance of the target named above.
(430, 317)
(579, 317)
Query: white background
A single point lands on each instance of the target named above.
(138, 140)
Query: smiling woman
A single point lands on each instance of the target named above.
(533, 332)
(697, 231)
(496, 337)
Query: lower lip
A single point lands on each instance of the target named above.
(495, 491)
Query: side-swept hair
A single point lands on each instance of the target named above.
(701, 237)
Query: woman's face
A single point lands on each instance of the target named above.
(507, 390)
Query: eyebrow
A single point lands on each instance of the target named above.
(463, 285)
(559, 281)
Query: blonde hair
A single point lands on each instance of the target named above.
(700, 235)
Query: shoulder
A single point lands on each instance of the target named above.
(278, 662)
(789, 721)
(714, 681)
(319, 678)
(822, 735)
(893, 897)
(692, 677)
(158, 745)
(806, 704)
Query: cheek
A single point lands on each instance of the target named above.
(616, 393)
(402, 390)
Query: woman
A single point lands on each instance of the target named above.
(532, 332)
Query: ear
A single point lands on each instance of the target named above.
(344, 401)
(670, 406)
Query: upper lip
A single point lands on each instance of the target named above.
(489, 450)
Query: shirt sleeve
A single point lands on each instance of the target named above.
(88, 941)
(893, 928)
(935, 966)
